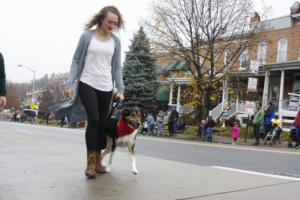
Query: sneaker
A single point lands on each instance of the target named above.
(297, 147)
(256, 143)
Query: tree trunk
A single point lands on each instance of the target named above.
(204, 110)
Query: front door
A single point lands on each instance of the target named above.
(274, 96)
(296, 85)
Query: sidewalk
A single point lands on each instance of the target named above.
(227, 140)
(34, 167)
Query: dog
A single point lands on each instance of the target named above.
(122, 133)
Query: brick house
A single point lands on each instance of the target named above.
(272, 59)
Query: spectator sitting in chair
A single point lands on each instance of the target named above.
(150, 124)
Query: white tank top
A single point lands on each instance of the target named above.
(97, 66)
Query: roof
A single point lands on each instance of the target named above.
(264, 26)
(283, 66)
(276, 23)
(173, 66)
(182, 66)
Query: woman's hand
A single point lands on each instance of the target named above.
(2, 101)
(120, 96)
(68, 93)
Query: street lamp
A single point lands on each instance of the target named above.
(33, 73)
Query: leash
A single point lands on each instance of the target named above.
(116, 104)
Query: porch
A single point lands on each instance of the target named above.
(279, 83)
(282, 88)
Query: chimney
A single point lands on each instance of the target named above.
(255, 18)
(295, 9)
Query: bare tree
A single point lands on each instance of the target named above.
(45, 102)
(200, 31)
(13, 96)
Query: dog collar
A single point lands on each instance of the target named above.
(123, 129)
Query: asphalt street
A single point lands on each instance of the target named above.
(49, 162)
(260, 159)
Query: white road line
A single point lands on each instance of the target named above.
(27, 132)
(257, 173)
(220, 145)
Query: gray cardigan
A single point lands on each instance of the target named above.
(2, 77)
(73, 108)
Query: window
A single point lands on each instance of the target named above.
(282, 50)
(201, 63)
(262, 52)
(214, 67)
(227, 58)
(201, 60)
(244, 60)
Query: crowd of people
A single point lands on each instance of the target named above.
(206, 129)
(168, 123)
(23, 115)
(262, 122)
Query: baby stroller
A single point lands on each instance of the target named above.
(274, 134)
(292, 137)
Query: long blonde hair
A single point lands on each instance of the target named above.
(100, 16)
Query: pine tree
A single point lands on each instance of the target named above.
(139, 74)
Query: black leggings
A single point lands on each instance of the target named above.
(97, 105)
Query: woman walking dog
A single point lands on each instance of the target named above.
(2, 83)
(95, 71)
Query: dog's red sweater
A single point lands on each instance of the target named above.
(123, 129)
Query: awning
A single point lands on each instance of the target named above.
(173, 66)
(162, 93)
(182, 66)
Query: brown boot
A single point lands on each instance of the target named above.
(99, 168)
(91, 164)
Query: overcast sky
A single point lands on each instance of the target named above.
(43, 34)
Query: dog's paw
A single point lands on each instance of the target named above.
(135, 171)
(100, 169)
(108, 169)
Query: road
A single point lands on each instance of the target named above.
(37, 157)
(260, 159)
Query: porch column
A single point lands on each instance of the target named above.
(280, 103)
(224, 99)
(266, 89)
(178, 98)
(225, 93)
(171, 94)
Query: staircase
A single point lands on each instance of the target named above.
(234, 108)
(238, 110)
(216, 112)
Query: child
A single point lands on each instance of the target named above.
(209, 128)
(235, 132)
(203, 130)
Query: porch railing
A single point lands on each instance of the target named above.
(231, 110)
(240, 107)
(216, 112)
(186, 110)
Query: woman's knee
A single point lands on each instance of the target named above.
(94, 121)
